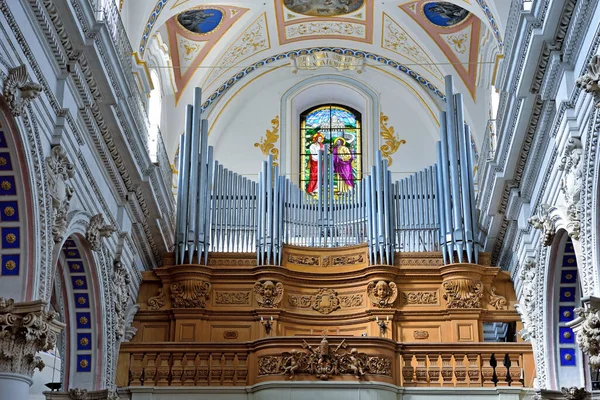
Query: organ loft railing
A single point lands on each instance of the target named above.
(218, 210)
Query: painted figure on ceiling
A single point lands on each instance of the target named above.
(342, 165)
(313, 162)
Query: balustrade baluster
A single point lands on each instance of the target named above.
(446, 371)
(474, 370)
(515, 370)
(177, 369)
(487, 370)
(162, 370)
(501, 371)
(189, 369)
(408, 372)
(421, 370)
(136, 369)
(460, 370)
(434, 369)
(203, 374)
(150, 369)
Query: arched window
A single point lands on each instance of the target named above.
(338, 127)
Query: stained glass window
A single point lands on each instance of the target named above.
(340, 128)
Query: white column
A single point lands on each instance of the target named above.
(14, 386)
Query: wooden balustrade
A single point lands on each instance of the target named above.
(412, 364)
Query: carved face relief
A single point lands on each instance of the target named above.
(268, 294)
(382, 294)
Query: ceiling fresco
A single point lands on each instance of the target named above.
(444, 14)
(201, 21)
(323, 8)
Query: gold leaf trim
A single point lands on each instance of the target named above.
(392, 141)
(267, 143)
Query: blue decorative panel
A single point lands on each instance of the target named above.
(84, 363)
(566, 314)
(68, 244)
(567, 357)
(79, 282)
(82, 300)
(568, 276)
(9, 211)
(569, 247)
(2, 140)
(84, 341)
(75, 266)
(569, 260)
(84, 320)
(567, 294)
(10, 264)
(72, 253)
(5, 162)
(11, 238)
(566, 335)
(7, 186)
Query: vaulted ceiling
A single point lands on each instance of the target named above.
(215, 44)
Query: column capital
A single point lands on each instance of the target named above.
(25, 329)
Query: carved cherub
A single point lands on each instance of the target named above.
(268, 294)
(382, 294)
(290, 363)
(357, 364)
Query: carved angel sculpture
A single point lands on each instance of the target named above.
(382, 294)
(268, 294)
(18, 91)
(290, 363)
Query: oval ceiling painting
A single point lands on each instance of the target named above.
(323, 8)
(201, 21)
(442, 13)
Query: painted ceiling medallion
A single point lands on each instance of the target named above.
(323, 8)
(201, 21)
(444, 14)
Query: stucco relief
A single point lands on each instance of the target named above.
(120, 287)
(18, 91)
(97, 230)
(571, 183)
(543, 221)
(60, 171)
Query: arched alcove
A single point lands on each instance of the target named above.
(563, 285)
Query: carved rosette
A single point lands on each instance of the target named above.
(97, 230)
(382, 294)
(25, 329)
(589, 81)
(60, 171)
(190, 293)
(463, 293)
(18, 91)
(120, 287)
(268, 294)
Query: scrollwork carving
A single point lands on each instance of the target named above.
(299, 301)
(497, 301)
(463, 293)
(588, 333)
(120, 287)
(268, 294)
(326, 301)
(382, 294)
(158, 301)
(18, 91)
(420, 297)
(190, 294)
(232, 298)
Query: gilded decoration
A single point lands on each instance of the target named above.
(268, 294)
(382, 294)
(420, 298)
(232, 298)
(190, 293)
(497, 301)
(392, 140)
(267, 142)
(324, 362)
(463, 293)
(158, 301)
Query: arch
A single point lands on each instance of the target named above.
(20, 260)
(562, 283)
(309, 93)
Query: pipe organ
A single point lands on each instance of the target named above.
(218, 210)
